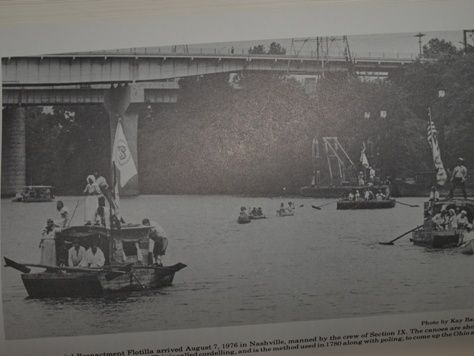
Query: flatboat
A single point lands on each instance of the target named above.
(429, 236)
(344, 204)
(127, 265)
(35, 194)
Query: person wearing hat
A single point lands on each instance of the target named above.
(458, 178)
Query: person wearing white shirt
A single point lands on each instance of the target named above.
(76, 254)
(458, 178)
(94, 257)
(63, 220)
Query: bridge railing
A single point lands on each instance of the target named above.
(241, 52)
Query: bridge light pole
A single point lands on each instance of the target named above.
(420, 35)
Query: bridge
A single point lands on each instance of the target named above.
(125, 80)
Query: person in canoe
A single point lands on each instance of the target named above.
(439, 220)
(94, 257)
(259, 211)
(282, 209)
(463, 221)
(379, 196)
(368, 195)
(291, 207)
(76, 254)
(48, 244)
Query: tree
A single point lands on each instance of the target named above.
(439, 48)
(276, 48)
(258, 49)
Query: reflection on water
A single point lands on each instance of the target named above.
(318, 264)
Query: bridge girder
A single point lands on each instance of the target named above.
(87, 69)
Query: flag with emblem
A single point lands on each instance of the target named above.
(122, 157)
(432, 136)
(363, 157)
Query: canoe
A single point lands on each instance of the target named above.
(365, 204)
(257, 217)
(92, 284)
(243, 219)
(279, 213)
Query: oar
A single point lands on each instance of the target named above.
(73, 213)
(399, 237)
(320, 206)
(410, 205)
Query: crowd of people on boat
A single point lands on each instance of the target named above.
(366, 194)
(451, 219)
(96, 213)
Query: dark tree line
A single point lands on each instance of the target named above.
(257, 139)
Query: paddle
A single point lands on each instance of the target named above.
(399, 237)
(320, 206)
(73, 213)
(410, 205)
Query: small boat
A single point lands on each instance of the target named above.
(243, 219)
(365, 204)
(257, 217)
(285, 213)
(35, 194)
(429, 236)
(127, 266)
(337, 191)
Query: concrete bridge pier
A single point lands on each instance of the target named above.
(125, 103)
(13, 150)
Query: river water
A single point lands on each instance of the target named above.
(318, 264)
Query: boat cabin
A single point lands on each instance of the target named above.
(127, 245)
(35, 193)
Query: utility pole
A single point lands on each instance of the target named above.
(420, 35)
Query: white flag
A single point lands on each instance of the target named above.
(363, 157)
(122, 157)
(432, 136)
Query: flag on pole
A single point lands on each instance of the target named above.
(432, 136)
(363, 157)
(122, 157)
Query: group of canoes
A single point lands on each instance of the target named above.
(247, 215)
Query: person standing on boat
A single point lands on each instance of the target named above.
(372, 174)
(434, 194)
(76, 254)
(94, 257)
(458, 178)
(48, 244)
(92, 190)
(158, 242)
(63, 220)
(360, 179)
